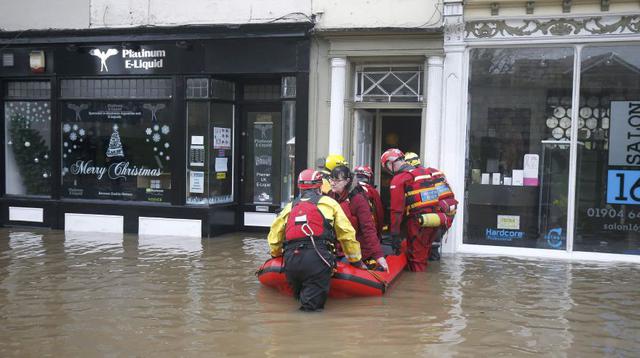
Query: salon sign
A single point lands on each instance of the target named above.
(624, 135)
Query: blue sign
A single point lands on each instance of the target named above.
(623, 187)
(503, 235)
(554, 238)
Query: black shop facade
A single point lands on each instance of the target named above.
(175, 131)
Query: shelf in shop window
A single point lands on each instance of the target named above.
(502, 195)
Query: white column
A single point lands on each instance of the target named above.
(431, 145)
(453, 130)
(336, 114)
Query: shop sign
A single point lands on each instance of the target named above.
(503, 235)
(624, 136)
(623, 187)
(555, 238)
(263, 147)
(144, 59)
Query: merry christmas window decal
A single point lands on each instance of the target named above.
(116, 150)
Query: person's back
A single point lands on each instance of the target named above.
(305, 233)
(364, 177)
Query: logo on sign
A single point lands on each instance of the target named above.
(503, 235)
(103, 56)
(554, 238)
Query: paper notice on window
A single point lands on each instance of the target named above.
(196, 182)
(531, 162)
(221, 138)
(197, 140)
(509, 222)
(221, 164)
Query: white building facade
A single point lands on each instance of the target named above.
(544, 128)
(529, 108)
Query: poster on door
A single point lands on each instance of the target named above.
(263, 155)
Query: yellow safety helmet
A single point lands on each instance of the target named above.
(334, 160)
(412, 158)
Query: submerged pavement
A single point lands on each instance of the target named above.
(85, 294)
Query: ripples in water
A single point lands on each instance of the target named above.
(93, 294)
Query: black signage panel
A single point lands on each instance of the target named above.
(117, 59)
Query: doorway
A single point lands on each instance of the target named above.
(398, 129)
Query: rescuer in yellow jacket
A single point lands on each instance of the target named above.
(305, 233)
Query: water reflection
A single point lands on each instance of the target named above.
(86, 294)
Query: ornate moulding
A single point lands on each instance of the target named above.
(552, 28)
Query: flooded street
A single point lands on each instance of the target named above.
(95, 295)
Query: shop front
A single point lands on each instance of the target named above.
(174, 131)
(552, 134)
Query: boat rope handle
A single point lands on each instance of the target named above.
(377, 277)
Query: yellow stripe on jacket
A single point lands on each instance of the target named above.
(331, 210)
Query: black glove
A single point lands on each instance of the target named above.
(396, 243)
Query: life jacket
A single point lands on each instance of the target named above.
(305, 218)
(423, 193)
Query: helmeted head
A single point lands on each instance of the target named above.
(341, 178)
(390, 157)
(334, 160)
(309, 179)
(363, 173)
(412, 158)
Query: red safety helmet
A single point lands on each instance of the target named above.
(391, 154)
(309, 179)
(363, 171)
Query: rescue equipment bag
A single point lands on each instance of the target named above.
(429, 198)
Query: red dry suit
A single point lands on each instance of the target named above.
(375, 203)
(416, 191)
(356, 207)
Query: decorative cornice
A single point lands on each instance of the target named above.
(609, 25)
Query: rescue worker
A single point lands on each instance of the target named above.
(420, 197)
(332, 161)
(355, 205)
(412, 158)
(434, 255)
(364, 177)
(306, 231)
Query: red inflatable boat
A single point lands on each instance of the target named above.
(348, 281)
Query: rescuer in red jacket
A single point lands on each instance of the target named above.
(364, 177)
(355, 205)
(420, 197)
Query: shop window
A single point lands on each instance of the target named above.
(223, 90)
(114, 148)
(388, 84)
(197, 88)
(261, 92)
(518, 158)
(27, 125)
(210, 144)
(289, 151)
(117, 88)
(608, 176)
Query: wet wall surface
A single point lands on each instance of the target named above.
(85, 294)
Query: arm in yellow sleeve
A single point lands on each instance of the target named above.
(345, 233)
(276, 233)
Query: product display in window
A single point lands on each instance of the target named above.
(520, 122)
(116, 150)
(27, 161)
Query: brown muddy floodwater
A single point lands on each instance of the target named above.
(81, 295)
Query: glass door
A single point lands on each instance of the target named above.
(261, 153)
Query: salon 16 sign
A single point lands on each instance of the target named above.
(623, 184)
